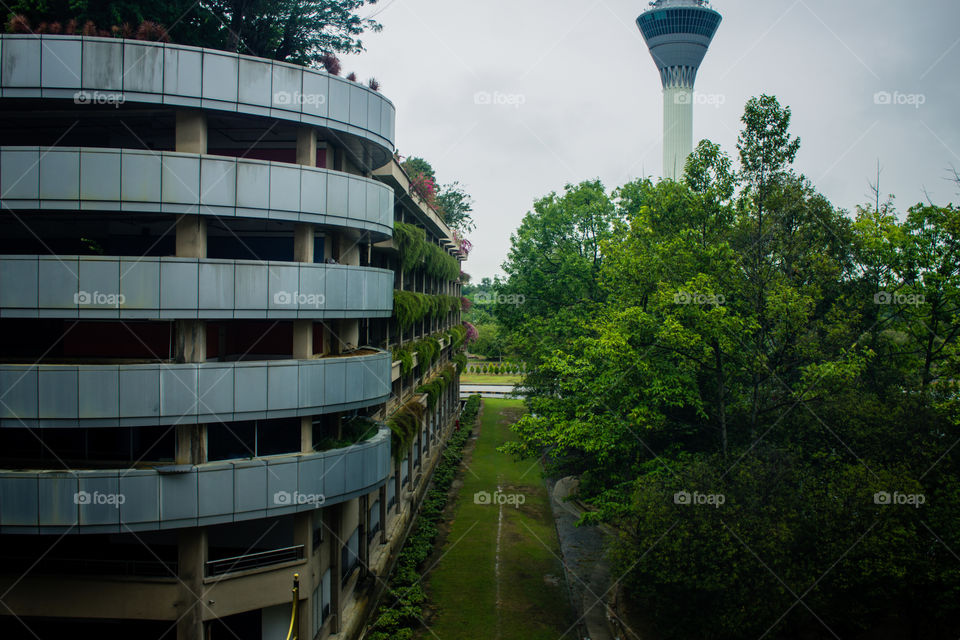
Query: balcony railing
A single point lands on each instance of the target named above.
(254, 560)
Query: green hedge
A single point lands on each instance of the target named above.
(402, 609)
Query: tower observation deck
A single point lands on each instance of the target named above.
(678, 34)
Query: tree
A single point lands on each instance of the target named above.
(297, 31)
(456, 205)
(741, 338)
(418, 166)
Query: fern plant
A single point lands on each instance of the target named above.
(411, 242)
(405, 358)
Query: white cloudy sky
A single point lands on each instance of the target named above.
(588, 99)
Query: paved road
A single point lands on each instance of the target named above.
(585, 563)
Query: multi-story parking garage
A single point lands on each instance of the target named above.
(197, 275)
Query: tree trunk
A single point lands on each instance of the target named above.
(236, 24)
(721, 395)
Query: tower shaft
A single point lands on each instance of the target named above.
(677, 130)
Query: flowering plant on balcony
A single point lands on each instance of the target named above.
(425, 187)
(465, 303)
(463, 244)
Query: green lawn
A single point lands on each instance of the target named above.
(500, 577)
(489, 378)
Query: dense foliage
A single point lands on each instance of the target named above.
(404, 424)
(417, 253)
(451, 201)
(434, 388)
(410, 307)
(491, 341)
(427, 349)
(298, 31)
(402, 608)
(755, 388)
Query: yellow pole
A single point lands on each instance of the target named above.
(292, 633)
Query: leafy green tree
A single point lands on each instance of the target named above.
(741, 338)
(297, 31)
(456, 205)
(418, 166)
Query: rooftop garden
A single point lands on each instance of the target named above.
(304, 32)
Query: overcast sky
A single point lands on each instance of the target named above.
(574, 95)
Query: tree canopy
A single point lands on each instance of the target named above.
(757, 389)
(297, 31)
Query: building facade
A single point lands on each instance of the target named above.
(197, 275)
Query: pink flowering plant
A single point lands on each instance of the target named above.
(472, 333)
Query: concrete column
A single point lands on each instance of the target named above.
(303, 339)
(349, 248)
(303, 235)
(303, 534)
(307, 146)
(326, 347)
(410, 466)
(397, 486)
(303, 531)
(191, 443)
(336, 548)
(332, 157)
(383, 514)
(306, 434)
(327, 245)
(348, 334)
(363, 554)
(191, 133)
(190, 343)
(191, 233)
(191, 559)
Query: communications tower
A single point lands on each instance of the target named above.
(678, 34)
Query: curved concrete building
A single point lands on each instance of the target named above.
(196, 300)
(678, 34)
